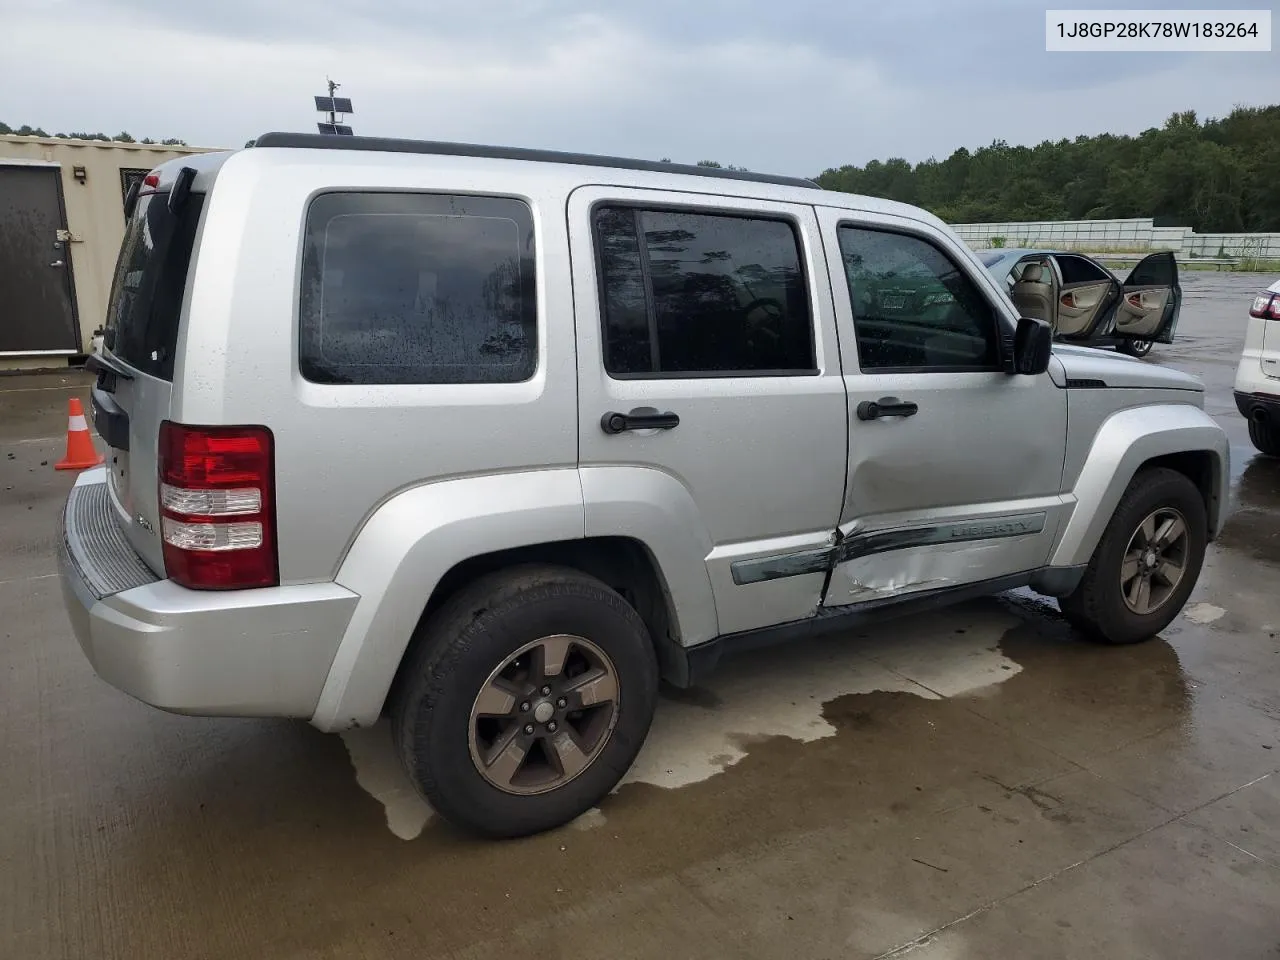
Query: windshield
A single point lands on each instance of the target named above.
(146, 293)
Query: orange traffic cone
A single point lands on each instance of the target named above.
(80, 450)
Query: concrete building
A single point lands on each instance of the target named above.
(61, 222)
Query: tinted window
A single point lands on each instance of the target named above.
(691, 293)
(151, 275)
(417, 288)
(1158, 270)
(913, 308)
(1079, 270)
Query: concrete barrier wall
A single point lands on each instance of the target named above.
(1131, 234)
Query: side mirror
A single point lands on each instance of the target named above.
(1032, 346)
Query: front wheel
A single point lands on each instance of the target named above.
(1147, 562)
(526, 700)
(1136, 348)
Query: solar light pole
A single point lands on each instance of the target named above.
(334, 106)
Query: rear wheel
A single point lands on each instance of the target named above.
(1147, 562)
(1266, 437)
(527, 699)
(1136, 348)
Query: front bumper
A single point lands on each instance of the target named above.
(1263, 407)
(260, 653)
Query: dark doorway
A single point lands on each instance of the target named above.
(37, 312)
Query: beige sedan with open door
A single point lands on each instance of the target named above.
(1086, 303)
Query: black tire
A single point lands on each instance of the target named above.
(1097, 606)
(452, 658)
(1136, 348)
(1265, 437)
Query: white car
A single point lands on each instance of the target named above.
(1258, 376)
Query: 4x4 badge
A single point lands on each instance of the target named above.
(145, 524)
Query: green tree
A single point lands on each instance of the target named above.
(122, 137)
(1216, 175)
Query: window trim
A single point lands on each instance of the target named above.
(1003, 335)
(640, 206)
(397, 191)
(1107, 275)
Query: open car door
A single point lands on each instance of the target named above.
(1085, 297)
(1150, 300)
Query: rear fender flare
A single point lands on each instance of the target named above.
(404, 549)
(411, 541)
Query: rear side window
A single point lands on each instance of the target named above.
(692, 294)
(151, 274)
(417, 288)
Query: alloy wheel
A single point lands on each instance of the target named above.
(544, 715)
(1155, 561)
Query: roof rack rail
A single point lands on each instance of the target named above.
(315, 141)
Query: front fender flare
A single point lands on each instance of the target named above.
(1125, 441)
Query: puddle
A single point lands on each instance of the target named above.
(780, 692)
(379, 773)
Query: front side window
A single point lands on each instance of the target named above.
(689, 294)
(913, 308)
(417, 288)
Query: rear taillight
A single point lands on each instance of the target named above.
(1265, 305)
(217, 506)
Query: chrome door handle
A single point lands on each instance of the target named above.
(886, 407)
(58, 263)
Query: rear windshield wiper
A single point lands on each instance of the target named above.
(98, 363)
(181, 189)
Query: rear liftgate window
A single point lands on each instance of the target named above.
(418, 288)
(151, 274)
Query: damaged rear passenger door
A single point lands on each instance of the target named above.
(955, 465)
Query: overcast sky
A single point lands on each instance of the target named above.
(789, 86)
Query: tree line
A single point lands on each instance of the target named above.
(1222, 175)
(122, 137)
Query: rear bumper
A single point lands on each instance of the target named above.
(260, 653)
(1262, 407)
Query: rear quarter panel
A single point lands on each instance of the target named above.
(343, 449)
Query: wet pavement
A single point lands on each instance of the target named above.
(970, 783)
